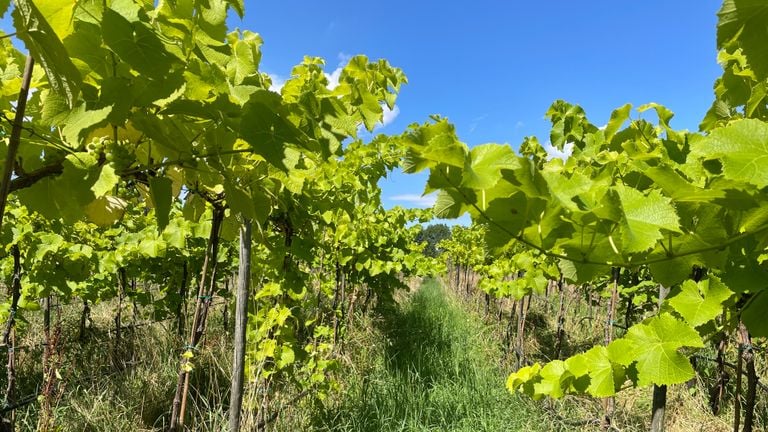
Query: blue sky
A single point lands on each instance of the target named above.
(493, 68)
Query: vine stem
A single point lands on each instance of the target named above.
(746, 355)
(15, 139)
(9, 339)
(201, 311)
(561, 287)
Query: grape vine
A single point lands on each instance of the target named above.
(150, 137)
(635, 194)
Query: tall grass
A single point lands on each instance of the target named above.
(128, 385)
(433, 367)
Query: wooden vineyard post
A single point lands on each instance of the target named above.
(659, 408)
(241, 323)
(609, 403)
(121, 283)
(225, 309)
(52, 359)
(737, 392)
(336, 299)
(467, 284)
(659, 404)
(85, 318)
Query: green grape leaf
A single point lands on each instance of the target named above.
(175, 234)
(213, 22)
(678, 188)
(509, 217)
(754, 315)
(106, 182)
(161, 191)
(578, 366)
(618, 117)
(268, 132)
(654, 345)
(105, 210)
(742, 147)
(449, 204)
(554, 379)
(238, 6)
(754, 219)
(663, 113)
(644, 218)
(578, 272)
(443, 177)
(701, 302)
(64, 196)
(49, 242)
(483, 167)
(286, 357)
(745, 275)
(432, 144)
(605, 377)
(745, 22)
(270, 289)
(672, 272)
(152, 247)
(246, 55)
(58, 15)
(565, 188)
(80, 120)
(4, 4)
(370, 110)
(136, 44)
(262, 204)
(193, 209)
(46, 47)
(524, 379)
(239, 200)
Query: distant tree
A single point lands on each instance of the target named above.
(432, 235)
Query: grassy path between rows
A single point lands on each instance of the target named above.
(433, 367)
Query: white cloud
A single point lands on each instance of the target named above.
(333, 78)
(389, 115)
(277, 82)
(344, 57)
(563, 154)
(415, 200)
(476, 122)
